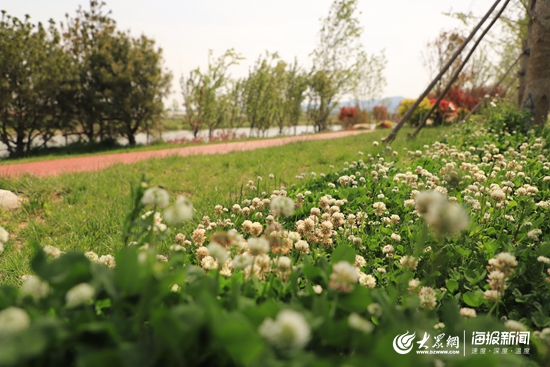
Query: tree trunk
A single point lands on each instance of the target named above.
(537, 88)
(131, 139)
(524, 62)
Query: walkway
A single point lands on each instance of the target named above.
(97, 162)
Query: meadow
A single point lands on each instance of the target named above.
(431, 252)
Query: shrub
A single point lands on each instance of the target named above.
(506, 116)
(351, 116)
(380, 113)
(447, 111)
(422, 109)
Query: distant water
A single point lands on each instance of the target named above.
(144, 139)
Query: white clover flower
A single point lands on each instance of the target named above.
(441, 215)
(209, 263)
(92, 256)
(176, 248)
(468, 312)
(427, 298)
(162, 258)
(294, 236)
(180, 211)
(107, 260)
(408, 262)
(79, 294)
(282, 205)
(343, 277)
(258, 246)
(317, 289)
(242, 261)
(491, 295)
(515, 325)
(498, 195)
(218, 252)
(35, 288)
(156, 196)
(427, 200)
(13, 320)
(359, 261)
(52, 251)
(367, 280)
(543, 259)
(395, 237)
(289, 331)
(534, 234)
(358, 323)
(175, 288)
(379, 208)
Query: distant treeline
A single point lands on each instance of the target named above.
(87, 78)
(83, 77)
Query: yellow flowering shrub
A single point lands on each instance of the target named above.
(418, 114)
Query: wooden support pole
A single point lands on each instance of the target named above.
(408, 114)
(460, 68)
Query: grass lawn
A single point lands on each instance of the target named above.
(86, 210)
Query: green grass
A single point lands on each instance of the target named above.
(86, 150)
(86, 210)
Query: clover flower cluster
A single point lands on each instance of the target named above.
(500, 268)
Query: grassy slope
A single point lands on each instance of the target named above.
(86, 210)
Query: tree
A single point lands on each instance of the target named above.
(380, 113)
(234, 101)
(291, 85)
(135, 83)
(261, 93)
(33, 81)
(537, 88)
(296, 86)
(370, 81)
(203, 93)
(339, 62)
(322, 92)
(438, 51)
(83, 36)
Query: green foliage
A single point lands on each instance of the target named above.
(208, 98)
(182, 311)
(261, 92)
(291, 88)
(340, 65)
(33, 83)
(422, 109)
(507, 117)
(88, 80)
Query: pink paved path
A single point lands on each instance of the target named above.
(97, 162)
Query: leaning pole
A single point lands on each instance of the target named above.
(393, 133)
(459, 70)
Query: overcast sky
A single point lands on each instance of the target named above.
(187, 29)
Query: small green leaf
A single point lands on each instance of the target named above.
(452, 285)
(473, 299)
